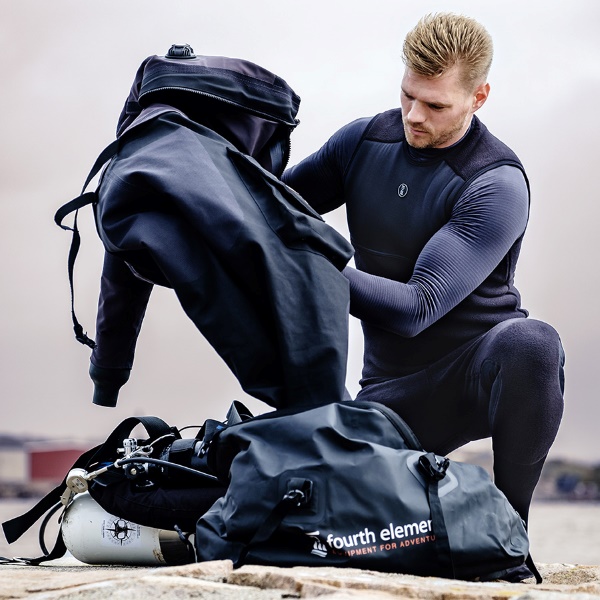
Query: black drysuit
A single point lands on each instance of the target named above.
(190, 201)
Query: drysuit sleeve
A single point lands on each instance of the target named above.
(121, 308)
(485, 222)
(319, 178)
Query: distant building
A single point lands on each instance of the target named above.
(35, 467)
(13, 465)
(14, 470)
(49, 462)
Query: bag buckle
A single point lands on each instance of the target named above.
(299, 492)
(433, 468)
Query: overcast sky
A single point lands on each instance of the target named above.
(66, 68)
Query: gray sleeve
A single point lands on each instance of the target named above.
(488, 218)
(319, 178)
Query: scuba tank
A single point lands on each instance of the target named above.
(96, 537)
(94, 534)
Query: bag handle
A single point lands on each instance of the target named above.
(74, 205)
(299, 493)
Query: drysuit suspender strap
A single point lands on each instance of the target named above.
(74, 205)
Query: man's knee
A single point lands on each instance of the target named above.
(527, 344)
(526, 399)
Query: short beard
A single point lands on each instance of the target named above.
(431, 142)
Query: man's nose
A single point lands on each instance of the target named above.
(416, 114)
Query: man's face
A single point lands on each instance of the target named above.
(437, 111)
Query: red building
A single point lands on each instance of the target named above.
(49, 462)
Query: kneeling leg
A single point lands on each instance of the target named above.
(521, 373)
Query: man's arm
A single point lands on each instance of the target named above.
(319, 178)
(486, 221)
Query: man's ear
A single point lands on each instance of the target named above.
(480, 95)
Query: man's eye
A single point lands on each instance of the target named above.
(435, 107)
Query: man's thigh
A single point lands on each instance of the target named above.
(439, 403)
(456, 399)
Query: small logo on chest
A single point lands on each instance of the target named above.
(402, 190)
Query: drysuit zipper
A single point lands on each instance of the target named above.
(259, 113)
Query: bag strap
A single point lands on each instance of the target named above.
(237, 413)
(74, 205)
(298, 494)
(531, 566)
(434, 472)
(15, 528)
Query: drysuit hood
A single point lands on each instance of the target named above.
(248, 105)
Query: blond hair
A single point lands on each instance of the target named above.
(440, 41)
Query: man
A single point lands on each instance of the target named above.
(437, 208)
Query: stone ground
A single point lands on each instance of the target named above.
(68, 579)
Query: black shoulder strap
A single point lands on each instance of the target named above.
(74, 205)
(16, 527)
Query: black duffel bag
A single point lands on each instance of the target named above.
(348, 485)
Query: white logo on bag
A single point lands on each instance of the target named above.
(319, 548)
(390, 538)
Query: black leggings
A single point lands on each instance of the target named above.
(507, 384)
